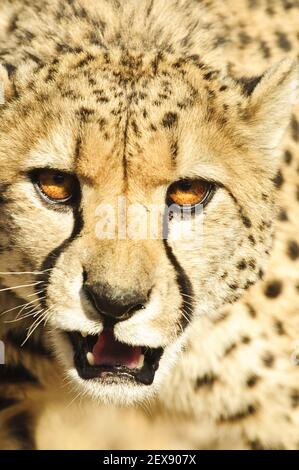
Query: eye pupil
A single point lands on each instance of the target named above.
(185, 185)
(58, 178)
(189, 192)
(55, 186)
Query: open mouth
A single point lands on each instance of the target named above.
(104, 357)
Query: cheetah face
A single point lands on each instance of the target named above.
(77, 155)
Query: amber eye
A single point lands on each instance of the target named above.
(57, 186)
(189, 192)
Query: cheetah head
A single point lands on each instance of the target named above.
(90, 146)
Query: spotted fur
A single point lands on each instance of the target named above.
(131, 96)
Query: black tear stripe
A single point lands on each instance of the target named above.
(20, 427)
(33, 345)
(184, 284)
(16, 374)
(53, 256)
(6, 402)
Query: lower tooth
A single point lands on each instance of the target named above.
(90, 358)
(141, 361)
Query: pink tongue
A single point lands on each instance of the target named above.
(110, 352)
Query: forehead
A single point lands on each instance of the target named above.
(133, 124)
(136, 118)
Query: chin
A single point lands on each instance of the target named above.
(112, 372)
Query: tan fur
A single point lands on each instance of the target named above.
(132, 96)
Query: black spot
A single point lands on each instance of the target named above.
(295, 128)
(249, 84)
(13, 23)
(265, 49)
(149, 8)
(239, 415)
(288, 157)
(102, 123)
(102, 99)
(265, 196)
(169, 119)
(20, 428)
(251, 310)
(208, 75)
(194, 57)
(252, 239)
(205, 380)
(270, 11)
(288, 5)
(246, 340)
(92, 81)
(260, 273)
(35, 59)
(10, 68)
(229, 349)
(233, 286)
(252, 380)
(78, 146)
(273, 289)
(282, 216)
(242, 265)
(50, 74)
(153, 127)
(279, 328)
(278, 180)
(135, 128)
(85, 61)
(85, 113)
(253, 3)
(294, 398)
(256, 444)
(252, 263)
(245, 39)
(268, 359)
(293, 250)
(223, 88)
(246, 221)
(283, 41)
(174, 149)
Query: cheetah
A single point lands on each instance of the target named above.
(189, 106)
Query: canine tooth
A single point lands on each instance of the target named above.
(83, 334)
(141, 361)
(90, 358)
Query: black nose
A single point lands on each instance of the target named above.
(116, 308)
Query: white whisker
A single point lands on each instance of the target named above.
(21, 286)
(18, 306)
(35, 324)
(36, 293)
(19, 273)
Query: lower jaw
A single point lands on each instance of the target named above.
(117, 374)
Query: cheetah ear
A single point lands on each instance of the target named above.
(271, 102)
(7, 87)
